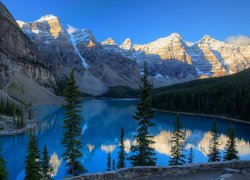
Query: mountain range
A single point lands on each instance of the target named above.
(55, 49)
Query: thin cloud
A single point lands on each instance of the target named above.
(238, 40)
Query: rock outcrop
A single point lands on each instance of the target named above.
(171, 172)
(54, 45)
(19, 58)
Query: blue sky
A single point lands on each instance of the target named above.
(143, 20)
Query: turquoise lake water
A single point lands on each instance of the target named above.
(102, 123)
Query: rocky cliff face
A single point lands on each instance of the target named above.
(170, 59)
(205, 58)
(19, 57)
(110, 67)
(92, 61)
(17, 51)
(54, 45)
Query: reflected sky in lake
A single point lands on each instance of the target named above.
(103, 120)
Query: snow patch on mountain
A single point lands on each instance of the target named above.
(159, 76)
(20, 23)
(74, 39)
(218, 56)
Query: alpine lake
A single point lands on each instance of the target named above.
(101, 126)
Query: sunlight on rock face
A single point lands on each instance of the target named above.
(127, 145)
(91, 44)
(55, 28)
(243, 147)
(108, 148)
(197, 140)
(163, 142)
(193, 139)
(55, 162)
(187, 134)
(90, 147)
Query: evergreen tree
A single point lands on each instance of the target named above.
(214, 152)
(72, 129)
(121, 154)
(143, 153)
(177, 157)
(109, 161)
(113, 164)
(3, 171)
(231, 151)
(2, 105)
(46, 168)
(227, 96)
(30, 113)
(32, 161)
(191, 156)
(14, 120)
(21, 121)
(18, 122)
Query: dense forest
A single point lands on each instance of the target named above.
(10, 108)
(122, 92)
(227, 96)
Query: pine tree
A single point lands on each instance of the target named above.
(109, 161)
(231, 151)
(191, 156)
(32, 161)
(3, 171)
(72, 129)
(113, 164)
(46, 168)
(30, 113)
(21, 121)
(2, 105)
(214, 152)
(143, 153)
(121, 154)
(177, 157)
(14, 120)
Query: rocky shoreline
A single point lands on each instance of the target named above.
(9, 129)
(200, 114)
(173, 172)
(18, 131)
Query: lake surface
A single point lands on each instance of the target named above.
(103, 120)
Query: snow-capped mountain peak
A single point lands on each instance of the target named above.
(167, 57)
(175, 35)
(48, 27)
(211, 42)
(109, 41)
(80, 34)
(48, 17)
(127, 44)
(208, 39)
(20, 23)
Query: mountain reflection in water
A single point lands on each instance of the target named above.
(103, 120)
